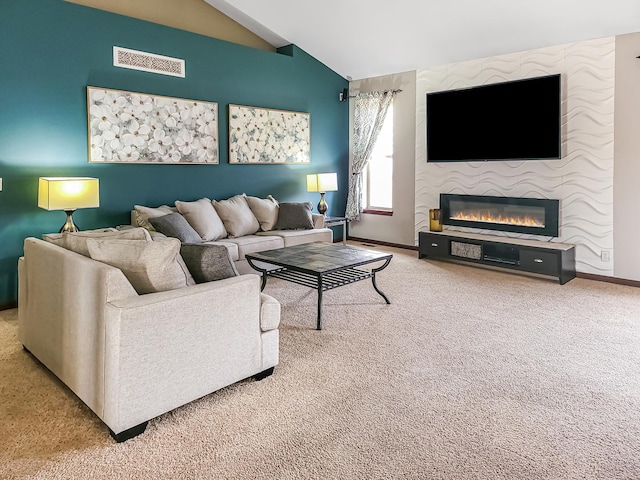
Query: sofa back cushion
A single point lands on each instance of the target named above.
(203, 218)
(265, 210)
(143, 214)
(149, 266)
(77, 241)
(237, 216)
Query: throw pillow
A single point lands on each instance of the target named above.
(142, 214)
(77, 241)
(237, 216)
(175, 225)
(208, 262)
(203, 218)
(294, 216)
(265, 210)
(149, 266)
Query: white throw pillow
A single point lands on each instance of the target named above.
(149, 266)
(237, 216)
(265, 210)
(203, 218)
(142, 214)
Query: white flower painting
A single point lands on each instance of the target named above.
(264, 136)
(129, 127)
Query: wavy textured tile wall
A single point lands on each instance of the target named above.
(582, 179)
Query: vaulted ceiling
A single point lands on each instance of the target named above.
(362, 39)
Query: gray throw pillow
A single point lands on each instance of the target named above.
(175, 225)
(294, 216)
(208, 262)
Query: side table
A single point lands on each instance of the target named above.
(334, 222)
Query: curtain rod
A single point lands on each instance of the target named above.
(384, 91)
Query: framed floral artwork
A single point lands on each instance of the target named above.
(266, 136)
(130, 127)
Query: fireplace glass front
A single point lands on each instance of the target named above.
(509, 214)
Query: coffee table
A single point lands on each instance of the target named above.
(322, 266)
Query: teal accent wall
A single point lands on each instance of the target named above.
(51, 50)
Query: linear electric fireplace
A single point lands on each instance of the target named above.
(508, 214)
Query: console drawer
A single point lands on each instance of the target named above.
(546, 263)
(433, 245)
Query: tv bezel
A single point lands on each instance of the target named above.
(558, 76)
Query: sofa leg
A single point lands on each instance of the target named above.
(264, 374)
(129, 433)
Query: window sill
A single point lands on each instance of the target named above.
(387, 213)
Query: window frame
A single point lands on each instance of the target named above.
(377, 210)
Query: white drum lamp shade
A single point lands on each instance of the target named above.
(322, 182)
(68, 194)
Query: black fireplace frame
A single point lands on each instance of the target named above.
(551, 213)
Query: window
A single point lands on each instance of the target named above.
(378, 175)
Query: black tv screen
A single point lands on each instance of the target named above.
(518, 120)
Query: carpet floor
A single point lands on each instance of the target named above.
(469, 374)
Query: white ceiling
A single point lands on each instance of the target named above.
(362, 39)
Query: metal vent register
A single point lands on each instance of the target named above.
(148, 62)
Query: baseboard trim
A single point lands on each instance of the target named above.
(603, 278)
(8, 306)
(385, 244)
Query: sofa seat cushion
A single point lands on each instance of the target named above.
(297, 237)
(149, 266)
(269, 313)
(256, 243)
(208, 263)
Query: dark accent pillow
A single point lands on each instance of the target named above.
(294, 216)
(208, 262)
(175, 225)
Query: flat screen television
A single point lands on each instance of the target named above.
(517, 120)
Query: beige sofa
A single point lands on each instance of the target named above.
(132, 357)
(229, 223)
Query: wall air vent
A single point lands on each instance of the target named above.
(148, 62)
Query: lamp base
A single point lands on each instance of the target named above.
(322, 206)
(69, 226)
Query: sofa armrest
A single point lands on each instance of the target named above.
(166, 349)
(318, 220)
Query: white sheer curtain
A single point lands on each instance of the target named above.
(370, 112)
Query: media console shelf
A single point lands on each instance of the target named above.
(544, 258)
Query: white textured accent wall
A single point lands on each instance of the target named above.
(582, 180)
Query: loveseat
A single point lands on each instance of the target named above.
(243, 224)
(134, 346)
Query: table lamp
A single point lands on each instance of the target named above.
(322, 182)
(68, 194)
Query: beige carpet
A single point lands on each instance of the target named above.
(468, 374)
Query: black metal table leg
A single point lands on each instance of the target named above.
(262, 271)
(373, 279)
(319, 321)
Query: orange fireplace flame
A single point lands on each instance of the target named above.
(489, 217)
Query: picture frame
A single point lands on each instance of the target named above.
(268, 136)
(138, 128)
